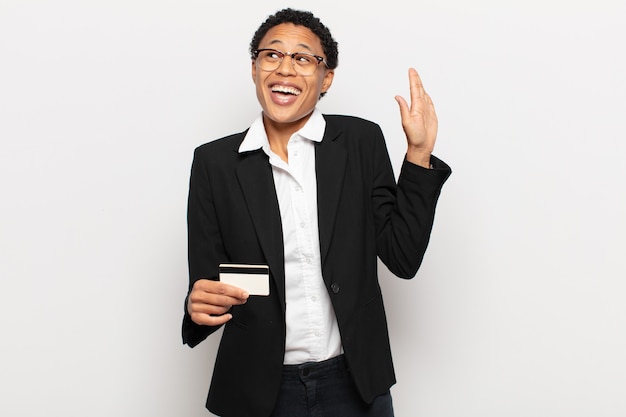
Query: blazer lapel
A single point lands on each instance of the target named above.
(257, 184)
(330, 165)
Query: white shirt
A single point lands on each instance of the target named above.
(312, 330)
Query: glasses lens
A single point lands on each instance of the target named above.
(305, 64)
(270, 60)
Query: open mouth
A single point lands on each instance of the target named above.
(283, 89)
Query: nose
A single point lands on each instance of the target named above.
(286, 66)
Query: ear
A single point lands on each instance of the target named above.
(328, 80)
(253, 71)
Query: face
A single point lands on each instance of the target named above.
(288, 98)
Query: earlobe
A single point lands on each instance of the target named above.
(253, 71)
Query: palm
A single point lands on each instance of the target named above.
(419, 120)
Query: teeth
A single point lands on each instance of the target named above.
(285, 89)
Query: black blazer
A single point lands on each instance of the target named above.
(233, 216)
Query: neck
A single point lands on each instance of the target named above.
(278, 134)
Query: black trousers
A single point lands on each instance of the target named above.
(325, 389)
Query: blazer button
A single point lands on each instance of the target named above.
(334, 287)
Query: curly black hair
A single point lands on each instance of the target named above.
(300, 18)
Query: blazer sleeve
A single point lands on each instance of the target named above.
(204, 241)
(404, 212)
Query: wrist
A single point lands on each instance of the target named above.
(418, 157)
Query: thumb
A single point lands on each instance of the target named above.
(404, 107)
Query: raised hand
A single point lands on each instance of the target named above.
(419, 121)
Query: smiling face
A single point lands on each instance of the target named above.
(288, 98)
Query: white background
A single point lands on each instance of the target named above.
(519, 307)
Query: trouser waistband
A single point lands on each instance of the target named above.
(315, 369)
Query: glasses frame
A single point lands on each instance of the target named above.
(319, 59)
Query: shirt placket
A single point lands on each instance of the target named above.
(304, 229)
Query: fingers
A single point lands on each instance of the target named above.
(419, 97)
(209, 301)
(419, 119)
(420, 100)
(416, 86)
(219, 289)
(415, 80)
(208, 320)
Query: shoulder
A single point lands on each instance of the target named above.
(353, 132)
(346, 122)
(221, 148)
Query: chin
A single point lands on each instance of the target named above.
(281, 117)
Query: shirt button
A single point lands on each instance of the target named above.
(317, 333)
(302, 224)
(334, 287)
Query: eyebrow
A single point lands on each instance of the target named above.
(303, 45)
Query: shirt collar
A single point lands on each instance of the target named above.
(256, 138)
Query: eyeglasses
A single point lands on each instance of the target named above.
(303, 62)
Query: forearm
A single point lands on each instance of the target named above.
(404, 236)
